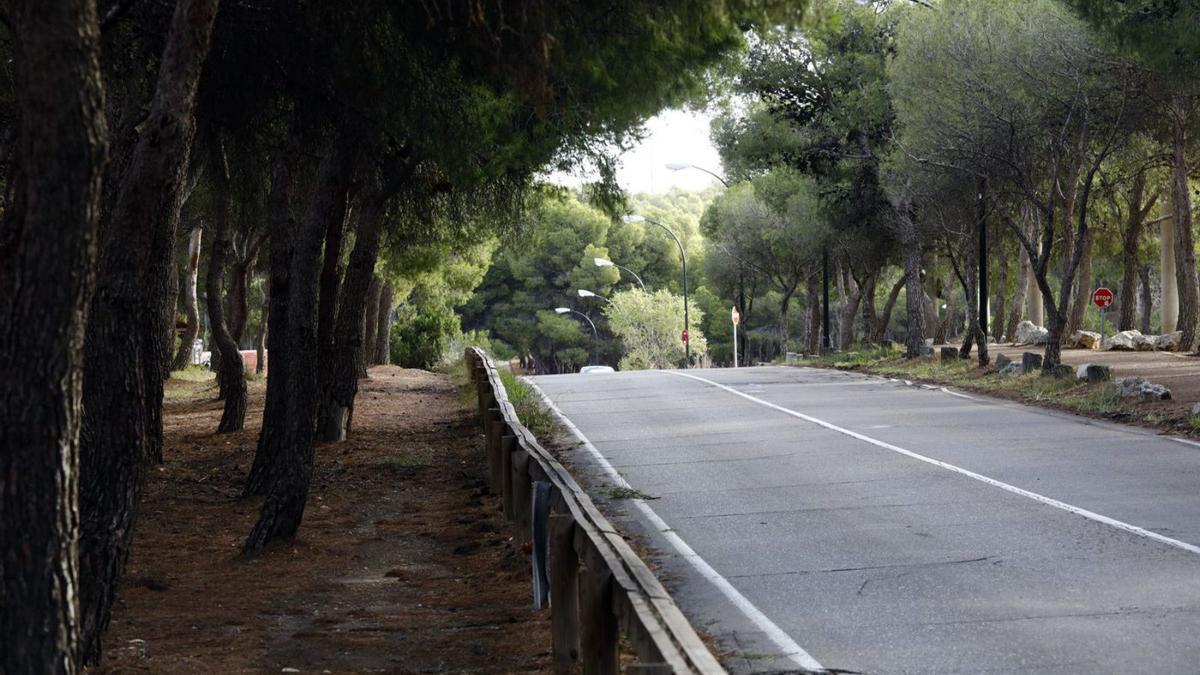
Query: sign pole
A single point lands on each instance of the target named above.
(736, 317)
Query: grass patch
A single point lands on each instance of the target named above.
(618, 492)
(194, 374)
(403, 463)
(1067, 393)
(530, 408)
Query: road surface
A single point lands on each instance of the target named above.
(818, 519)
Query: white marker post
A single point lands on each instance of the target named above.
(736, 319)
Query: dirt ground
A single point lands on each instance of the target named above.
(403, 564)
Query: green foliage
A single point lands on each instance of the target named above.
(650, 327)
(530, 408)
(421, 336)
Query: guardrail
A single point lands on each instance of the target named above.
(596, 585)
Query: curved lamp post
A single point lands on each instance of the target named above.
(687, 344)
(595, 335)
(681, 166)
(588, 294)
(605, 262)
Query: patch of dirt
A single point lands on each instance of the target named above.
(403, 563)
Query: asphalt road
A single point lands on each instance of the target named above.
(816, 518)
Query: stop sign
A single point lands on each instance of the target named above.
(1103, 297)
(684, 336)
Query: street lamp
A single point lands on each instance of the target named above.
(687, 343)
(595, 335)
(681, 166)
(605, 262)
(588, 294)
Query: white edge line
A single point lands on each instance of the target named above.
(789, 648)
(958, 394)
(1049, 501)
(1185, 441)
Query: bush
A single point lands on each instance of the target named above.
(420, 337)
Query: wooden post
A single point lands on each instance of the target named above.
(522, 496)
(495, 429)
(564, 593)
(508, 443)
(599, 639)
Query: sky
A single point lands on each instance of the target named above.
(671, 136)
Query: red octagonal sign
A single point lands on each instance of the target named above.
(1103, 297)
(684, 336)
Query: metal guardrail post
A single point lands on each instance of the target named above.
(564, 593)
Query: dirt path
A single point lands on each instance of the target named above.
(402, 564)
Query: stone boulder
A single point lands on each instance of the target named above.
(1142, 389)
(1011, 368)
(949, 353)
(1030, 334)
(1145, 343)
(1196, 410)
(1125, 341)
(1168, 342)
(1085, 339)
(1093, 373)
(1030, 362)
(1063, 372)
(1001, 362)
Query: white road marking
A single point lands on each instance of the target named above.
(960, 395)
(787, 646)
(1184, 440)
(1049, 501)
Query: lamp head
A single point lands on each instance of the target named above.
(603, 262)
(585, 294)
(633, 219)
(561, 310)
(678, 166)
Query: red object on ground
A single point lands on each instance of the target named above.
(1103, 297)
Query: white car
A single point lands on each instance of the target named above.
(597, 369)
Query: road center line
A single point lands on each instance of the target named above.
(787, 646)
(1090, 515)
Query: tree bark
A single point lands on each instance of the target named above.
(1131, 237)
(183, 355)
(1017, 308)
(1083, 287)
(1147, 299)
(290, 467)
(1166, 276)
(370, 324)
(337, 400)
(241, 270)
(885, 318)
(849, 313)
(260, 341)
(47, 263)
(1000, 254)
(232, 374)
(282, 230)
(123, 363)
(384, 332)
(1185, 248)
(812, 300)
(914, 292)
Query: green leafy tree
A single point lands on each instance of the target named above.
(650, 326)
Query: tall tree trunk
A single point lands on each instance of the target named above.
(1131, 238)
(370, 324)
(879, 330)
(282, 228)
(1167, 276)
(183, 355)
(1147, 298)
(784, 304)
(233, 380)
(1083, 287)
(47, 263)
(812, 300)
(1181, 212)
(914, 292)
(337, 400)
(241, 271)
(260, 340)
(291, 465)
(867, 304)
(122, 382)
(384, 332)
(849, 313)
(1000, 255)
(1017, 308)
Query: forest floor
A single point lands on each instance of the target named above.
(403, 563)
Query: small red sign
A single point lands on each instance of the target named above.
(684, 336)
(1103, 297)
